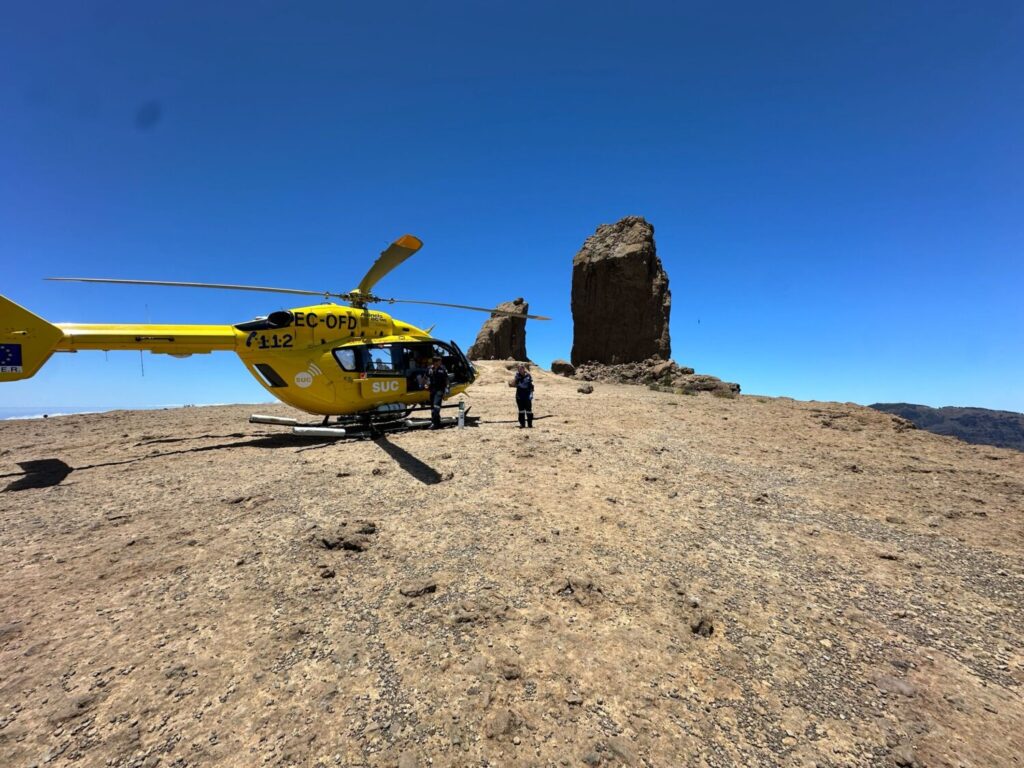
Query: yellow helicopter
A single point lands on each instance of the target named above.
(362, 367)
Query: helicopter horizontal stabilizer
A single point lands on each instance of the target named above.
(26, 341)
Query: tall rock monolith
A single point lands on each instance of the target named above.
(502, 336)
(620, 296)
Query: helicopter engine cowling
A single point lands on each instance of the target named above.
(280, 319)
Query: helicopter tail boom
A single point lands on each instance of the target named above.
(161, 339)
(27, 340)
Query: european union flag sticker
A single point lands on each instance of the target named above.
(10, 358)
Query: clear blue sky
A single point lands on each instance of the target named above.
(836, 188)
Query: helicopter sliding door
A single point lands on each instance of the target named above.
(461, 369)
(405, 360)
(418, 356)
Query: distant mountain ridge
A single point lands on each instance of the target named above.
(980, 426)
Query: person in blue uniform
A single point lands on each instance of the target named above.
(438, 385)
(524, 396)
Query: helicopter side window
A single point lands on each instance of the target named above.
(346, 359)
(384, 360)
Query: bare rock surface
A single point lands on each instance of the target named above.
(642, 579)
(664, 375)
(502, 337)
(620, 296)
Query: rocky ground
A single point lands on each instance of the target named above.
(644, 579)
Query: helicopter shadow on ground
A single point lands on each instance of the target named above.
(45, 473)
(414, 466)
(516, 421)
(40, 473)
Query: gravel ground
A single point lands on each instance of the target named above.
(643, 579)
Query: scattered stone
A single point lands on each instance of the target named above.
(583, 589)
(75, 707)
(904, 756)
(661, 370)
(359, 541)
(563, 367)
(619, 747)
(891, 684)
(574, 699)
(418, 588)
(585, 389)
(344, 542)
(500, 723)
(592, 758)
(9, 630)
(178, 671)
(502, 336)
(326, 572)
(702, 625)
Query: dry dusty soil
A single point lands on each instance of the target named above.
(643, 579)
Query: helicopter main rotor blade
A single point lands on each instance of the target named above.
(465, 306)
(395, 254)
(221, 286)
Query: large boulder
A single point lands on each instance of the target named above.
(502, 337)
(563, 367)
(620, 296)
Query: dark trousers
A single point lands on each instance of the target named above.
(435, 408)
(525, 405)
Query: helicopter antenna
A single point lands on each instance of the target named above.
(142, 362)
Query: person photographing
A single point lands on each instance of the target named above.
(524, 396)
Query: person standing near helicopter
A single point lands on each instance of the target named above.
(437, 385)
(524, 396)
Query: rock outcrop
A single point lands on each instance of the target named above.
(620, 296)
(502, 337)
(980, 426)
(659, 374)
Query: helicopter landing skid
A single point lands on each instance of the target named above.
(361, 425)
